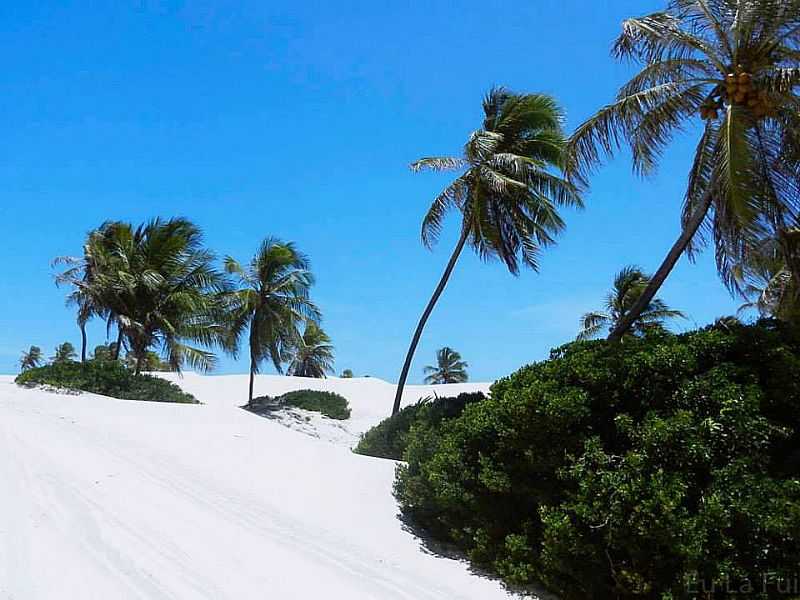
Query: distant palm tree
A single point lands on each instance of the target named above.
(449, 368)
(506, 192)
(767, 276)
(31, 359)
(80, 274)
(347, 374)
(735, 64)
(313, 354)
(164, 291)
(271, 302)
(64, 353)
(629, 284)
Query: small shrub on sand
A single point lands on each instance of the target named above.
(109, 378)
(330, 404)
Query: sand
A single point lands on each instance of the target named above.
(113, 499)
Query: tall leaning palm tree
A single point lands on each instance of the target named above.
(312, 356)
(733, 68)
(506, 191)
(270, 304)
(629, 284)
(449, 368)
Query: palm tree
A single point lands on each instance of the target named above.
(31, 359)
(449, 368)
(64, 353)
(164, 292)
(767, 276)
(80, 273)
(629, 284)
(271, 302)
(733, 63)
(506, 192)
(313, 354)
(347, 374)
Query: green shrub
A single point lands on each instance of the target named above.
(664, 467)
(109, 378)
(388, 438)
(328, 403)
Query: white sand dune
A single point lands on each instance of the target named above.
(113, 499)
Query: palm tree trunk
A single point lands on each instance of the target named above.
(252, 380)
(678, 248)
(83, 342)
(427, 313)
(139, 361)
(119, 344)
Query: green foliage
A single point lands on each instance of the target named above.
(151, 362)
(347, 374)
(328, 403)
(650, 468)
(31, 358)
(105, 351)
(388, 439)
(109, 378)
(64, 353)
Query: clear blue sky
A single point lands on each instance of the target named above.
(298, 120)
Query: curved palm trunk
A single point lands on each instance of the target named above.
(426, 313)
(629, 318)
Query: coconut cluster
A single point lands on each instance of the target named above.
(740, 90)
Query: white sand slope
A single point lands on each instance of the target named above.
(112, 499)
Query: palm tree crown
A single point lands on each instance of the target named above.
(64, 353)
(449, 368)
(506, 191)
(733, 65)
(628, 286)
(31, 359)
(313, 354)
(162, 288)
(271, 302)
(767, 276)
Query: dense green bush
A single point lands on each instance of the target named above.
(388, 438)
(109, 378)
(654, 468)
(328, 403)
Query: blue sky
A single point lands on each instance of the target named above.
(299, 120)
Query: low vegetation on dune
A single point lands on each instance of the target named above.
(328, 404)
(388, 439)
(109, 378)
(646, 468)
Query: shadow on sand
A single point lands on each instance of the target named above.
(430, 545)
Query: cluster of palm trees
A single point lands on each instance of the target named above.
(733, 66)
(159, 289)
(33, 357)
